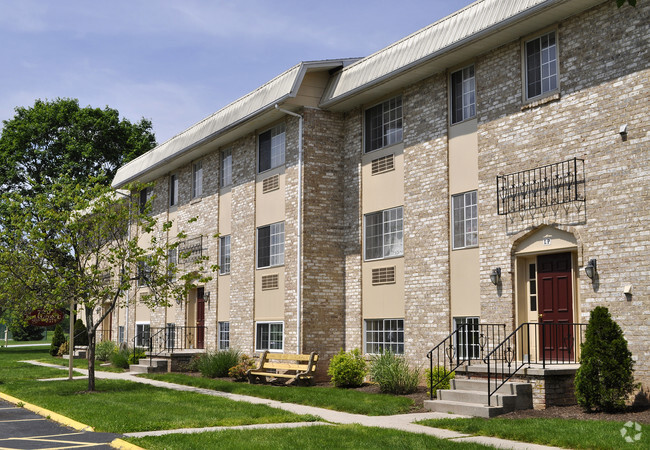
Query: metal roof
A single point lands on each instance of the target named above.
(442, 37)
(277, 90)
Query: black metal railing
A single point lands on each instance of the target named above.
(469, 341)
(171, 338)
(541, 187)
(533, 343)
(190, 250)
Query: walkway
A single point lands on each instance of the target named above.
(402, 422)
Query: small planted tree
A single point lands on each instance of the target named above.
(605, 377)
(57, 339)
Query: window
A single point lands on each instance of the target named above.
(463, 95)
(197, 179)
(145, 196)
(120, 334)
(173, 189)
(144, 273)
(384, 124)
(226, 168)
(467, 338)
(532, 286)
(224, 255)
(170, 336)
(142, 334)
(269, 336)
(465, 220)
(270, 245)
(384, 237)
(224, 335)
(172, 261)
(541, 65)
(271, 148)
(383, 335)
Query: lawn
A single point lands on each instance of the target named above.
(122, 406)
(341, 436)
(77, 363)
(568, 433)
(338, 399)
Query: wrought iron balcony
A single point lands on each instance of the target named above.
(191, 250)
(542, 187)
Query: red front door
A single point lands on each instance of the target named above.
(554, 282)
(200, 318)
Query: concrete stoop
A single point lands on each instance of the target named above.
(470, 398)
(145, 365)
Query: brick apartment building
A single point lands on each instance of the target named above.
(468, 173)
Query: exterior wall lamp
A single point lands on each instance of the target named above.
(495, 276)
(590, 268)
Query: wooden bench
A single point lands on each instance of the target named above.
(298, 368)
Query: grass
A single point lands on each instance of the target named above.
(77, 363)
(342, 436)
(121, 406)
(569, 433)
(46, 341)
(338, 399)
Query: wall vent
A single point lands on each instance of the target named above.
(271, 184)
(269, 282)
(383, 275)
(383, 164)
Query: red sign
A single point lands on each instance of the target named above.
(42, 318)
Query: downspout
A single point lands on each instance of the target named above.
(299, 233)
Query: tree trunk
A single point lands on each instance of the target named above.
(91, 359)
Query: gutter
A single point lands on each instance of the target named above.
(299, 233)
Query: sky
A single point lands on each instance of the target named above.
(176, 62)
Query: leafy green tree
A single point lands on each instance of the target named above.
(605, 377)
(58, 139)
(24, 332)
(80, 333)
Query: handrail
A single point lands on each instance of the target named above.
(467, 342)
(558, 343)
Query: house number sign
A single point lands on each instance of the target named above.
(546, 241)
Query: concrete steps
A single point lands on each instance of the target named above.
(145, 365)
(470, 398)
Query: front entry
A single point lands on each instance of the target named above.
(554, 282)
(200, 318)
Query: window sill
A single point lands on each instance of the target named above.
(383, 259)
(464, 248)
(539, 101)
(269, 267)
(224, 274)
(383, 148)
(195, 200)
(460, 122)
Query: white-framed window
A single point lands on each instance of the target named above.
(226, 168)
(467, 337)
(383, 124)
(384, 236)
(269, 336)
(463, 95)
(271, 148)
(384, 335)
(224, 335)
(173, 189)
(270, 245)
(142, 334)
(224, 255)
(197, 179)
(465, 220)
(532, 286)
(120, 334)
(170, 335)
(541, 65)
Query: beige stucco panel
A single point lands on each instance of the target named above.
(463, 157)
(384, 301)
(225, 211)
(385, 190)
(547, 239)
(270, 207)
(269, 305)
(465, 283)
(142, 313)
(223, 301)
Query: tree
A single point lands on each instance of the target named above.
(57, 340)
(76, 242)
(605, 377)
(59, 139)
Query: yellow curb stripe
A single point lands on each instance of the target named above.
(48, 414)
(122, 444)
(21, 420)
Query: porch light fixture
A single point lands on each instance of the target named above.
(590, 268)
(495, 276)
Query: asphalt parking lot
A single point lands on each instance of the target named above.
(23, 429)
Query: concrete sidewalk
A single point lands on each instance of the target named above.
(403, 422)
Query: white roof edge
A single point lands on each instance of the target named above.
(356, 81)
(276, 90)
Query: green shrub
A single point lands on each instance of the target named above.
(440, 374)
(348, 369)
(22, 332)
(120, 358)
(135, 357)
(104, 350)
(80, 333)
(217, 364)
(605, 377)
(393, 374)
(57, 339)
(63, 349)
(238, 372)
